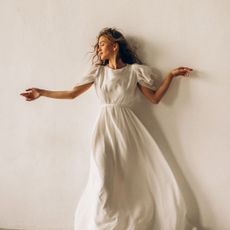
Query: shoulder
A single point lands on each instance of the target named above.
(141, 69)
(136, 66)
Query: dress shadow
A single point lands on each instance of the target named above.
(144, 111)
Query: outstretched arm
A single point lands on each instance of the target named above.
(34, 93)
(155, 96)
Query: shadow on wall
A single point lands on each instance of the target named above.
(143, 109)
(142, 49)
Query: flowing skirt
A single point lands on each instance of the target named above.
(130, 184)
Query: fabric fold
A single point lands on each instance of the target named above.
(130, 184)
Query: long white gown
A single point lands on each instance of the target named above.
(130, 184)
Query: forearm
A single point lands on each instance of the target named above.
(56, 94)
(160, 92)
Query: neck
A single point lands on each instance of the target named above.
(116, 63)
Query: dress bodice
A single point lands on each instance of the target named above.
(118, 86)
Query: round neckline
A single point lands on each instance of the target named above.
(117, 69)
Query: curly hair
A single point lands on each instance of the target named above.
(126, 53)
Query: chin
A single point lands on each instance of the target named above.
(103, 59)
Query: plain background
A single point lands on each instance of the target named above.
(45, 144)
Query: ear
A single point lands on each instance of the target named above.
(115, 46)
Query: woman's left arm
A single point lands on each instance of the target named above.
(156, 96)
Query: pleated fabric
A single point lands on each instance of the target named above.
(130, 184)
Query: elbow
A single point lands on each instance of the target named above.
(72, 95)
(155, 100)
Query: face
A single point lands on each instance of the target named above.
(106, 48)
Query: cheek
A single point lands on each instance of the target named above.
(109, 50)
(104, 48)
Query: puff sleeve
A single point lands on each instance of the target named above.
(89, 76)
(146, 76)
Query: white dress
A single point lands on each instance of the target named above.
(130, 184)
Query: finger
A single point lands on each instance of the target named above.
(187, 68)
(186, 74)
(25, 94)
(182, 73)
(29, 89)
(184, 67)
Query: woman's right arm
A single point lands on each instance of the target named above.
(34, 93)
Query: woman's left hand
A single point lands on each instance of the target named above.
(180, 71)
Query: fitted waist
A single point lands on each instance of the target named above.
(114, 105)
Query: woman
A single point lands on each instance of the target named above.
(130, 185)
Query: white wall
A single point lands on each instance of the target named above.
(45, 144)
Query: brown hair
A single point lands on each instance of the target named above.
(126, 53)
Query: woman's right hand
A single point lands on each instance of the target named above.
(31, 94)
